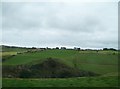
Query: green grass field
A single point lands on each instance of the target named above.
(66, 82)
(97, 62)
(101, 62)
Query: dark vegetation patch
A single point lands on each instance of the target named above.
(50, 68)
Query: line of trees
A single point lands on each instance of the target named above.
(75, 48)
(109, 49)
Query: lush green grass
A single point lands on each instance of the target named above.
(101, 62)
(30, 57)
(63, 82)
(69, 55)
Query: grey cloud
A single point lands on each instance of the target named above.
(60, 24)
(25, 17)
(75, 24)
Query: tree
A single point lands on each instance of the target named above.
(57, 47)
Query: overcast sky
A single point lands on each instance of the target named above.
(51, 24)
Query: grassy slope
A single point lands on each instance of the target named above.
(92, 58)
(30, 57)
(103, 62)
(9, 49)
(88, 60)
(70, 82)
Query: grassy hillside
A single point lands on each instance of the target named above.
(12, 49)
(101, 62)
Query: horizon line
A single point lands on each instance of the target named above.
(72, 47)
